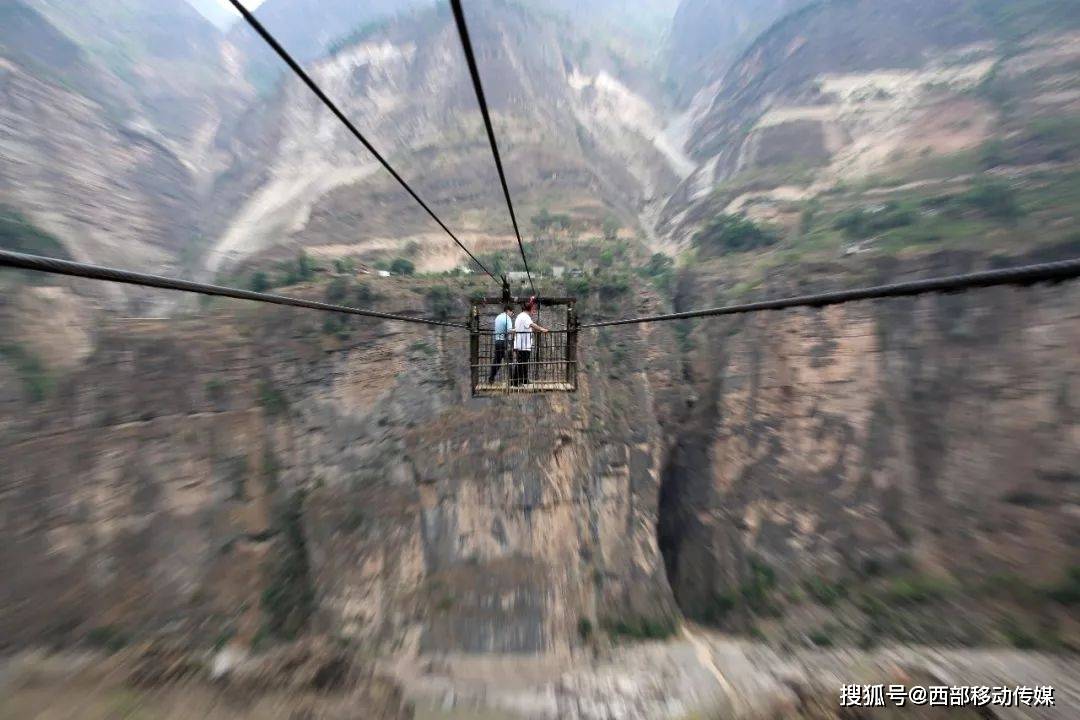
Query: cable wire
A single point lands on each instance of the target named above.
(295, 67)
(57, 266)
(470, 57)
(1023, 275)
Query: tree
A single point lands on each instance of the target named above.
(731, 233)
(611, 229)
(541, 221)
(345, 265)
(337, 291)
(305, 268)
(260, 282)
(659, 264)
(402, 266)
(995, 199)
(442, 301)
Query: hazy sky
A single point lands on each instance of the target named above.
(220, 12)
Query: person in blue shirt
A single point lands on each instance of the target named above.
(504, 331)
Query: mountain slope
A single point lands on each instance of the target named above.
(307, 29)
(73, 160)
(852, 90)
(170, 56)
(706, 35)
(575, 137)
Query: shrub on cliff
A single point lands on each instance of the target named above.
(994, 199)
(402, 266)
(288, 598)
(640, 628)
(730, 234)
(442, 301)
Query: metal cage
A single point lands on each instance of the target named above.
(552, 363)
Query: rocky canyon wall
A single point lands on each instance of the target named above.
(914, 453)
(257, 473)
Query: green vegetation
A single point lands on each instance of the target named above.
(585, 629)
(861, 222)
(611, 229)
(611, 285)
(345, 265)
(215, 390)
(1067, 592)
(107, 637)
(364, 294)
(402, 266)
(823, 636)
(640, 628)
(337, 291)
(756, 589)
(441, 301)
(223, 638)
(260, 281)
(37, 383)
(1059, 137)
(825, 592)
(422, 347)
(271, 470)
(336, 324)
(915, 590)
(288, 599)
(661, 271)
(1027, 636)
(289, 273)
(578, 287)
(730, 234)
(993, 199)
(544, 221)
(272, 400)
(754, 594)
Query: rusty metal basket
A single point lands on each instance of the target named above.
(552, 364)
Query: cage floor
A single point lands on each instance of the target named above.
(539, 386)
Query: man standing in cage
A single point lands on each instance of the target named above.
(523, 343)
(504, 328)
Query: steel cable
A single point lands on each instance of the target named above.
(295, 67)
(470, 58)
(1023, 275)
(98, 272)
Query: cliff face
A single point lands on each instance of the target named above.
(259, 475)
(706, 35)
(885, 460)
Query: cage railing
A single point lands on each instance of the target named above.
(497, 367)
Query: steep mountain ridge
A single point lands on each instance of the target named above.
(707, 35)
(109, 121)
(307, 28)
(575, 136)
(844, 92)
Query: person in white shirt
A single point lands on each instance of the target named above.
(504, 330)
(524, 327)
